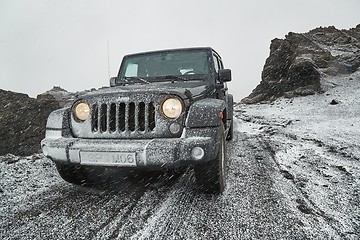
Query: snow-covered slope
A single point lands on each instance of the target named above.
(315, 141)
(332, 118)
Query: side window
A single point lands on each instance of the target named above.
(221, 66)
(216, 63)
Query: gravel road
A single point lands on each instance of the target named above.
(261, 201)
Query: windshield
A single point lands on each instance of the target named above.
(185, 64)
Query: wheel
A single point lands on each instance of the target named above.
(230, 100)
(71, 173)
(210, 176)
(230, 134)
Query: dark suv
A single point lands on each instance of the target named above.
(165, 109)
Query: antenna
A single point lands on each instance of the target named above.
(108, 53)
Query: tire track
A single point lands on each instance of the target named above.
(258, 203)
(321, 158)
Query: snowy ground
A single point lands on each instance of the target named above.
(315, 144)
(293, 173)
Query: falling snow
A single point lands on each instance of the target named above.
(293, 173)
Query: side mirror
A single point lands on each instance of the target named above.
(113, 81)
(224, 75)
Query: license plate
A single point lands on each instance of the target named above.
(108, 158)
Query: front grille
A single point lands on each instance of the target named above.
(123, 117)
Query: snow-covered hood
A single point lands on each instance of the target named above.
(185, 90)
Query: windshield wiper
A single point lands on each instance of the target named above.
(196, 77)
(137, 78)
(175, 77)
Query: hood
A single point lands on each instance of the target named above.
(184, 89)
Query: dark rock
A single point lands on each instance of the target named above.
(22, 122)
(23, 119)
(341, 168)
(302, 206)
(62, 96)
(287, 174)
(304, 209)
(296, 63)
(59, 94)
(334, 102)
(301, 185)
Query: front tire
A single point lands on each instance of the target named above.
(230, 135)
(74, 174)
(210, 176)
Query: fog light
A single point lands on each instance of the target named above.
(174, 128)
(45, 150)
(197, 153)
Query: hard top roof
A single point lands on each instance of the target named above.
(174, 50)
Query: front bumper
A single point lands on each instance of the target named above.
(142, 153)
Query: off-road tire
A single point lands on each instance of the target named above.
(74, 174)
(211, 176)
(230, 134)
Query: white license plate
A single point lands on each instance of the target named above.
(108, 158)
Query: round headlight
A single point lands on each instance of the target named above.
(82, 111)
(172, 108)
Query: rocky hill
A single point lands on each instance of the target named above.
(22, 122)
(297, 63)
(23, 119)
(62, 96)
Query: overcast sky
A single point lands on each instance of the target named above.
(47, 43)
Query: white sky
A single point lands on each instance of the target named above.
(47, 43)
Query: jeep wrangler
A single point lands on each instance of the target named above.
(165, 110)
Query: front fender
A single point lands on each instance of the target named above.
(205, 113)
(58, 120)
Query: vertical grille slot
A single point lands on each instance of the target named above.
(131, 117)
(141, 116)
(94, 118)
(103, 117)
(112, 118)
(123, 117)
(151, 116)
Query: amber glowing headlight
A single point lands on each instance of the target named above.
(172, 107)
(81, 111)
